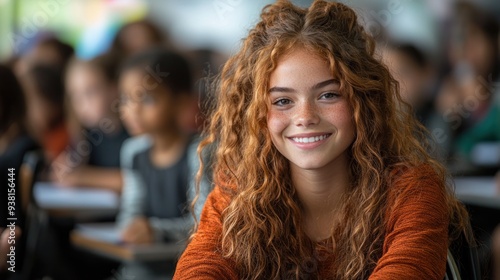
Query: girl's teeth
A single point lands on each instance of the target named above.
(309, 139)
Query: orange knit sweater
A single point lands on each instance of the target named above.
(415, 245)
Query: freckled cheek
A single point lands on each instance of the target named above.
(342, 118)
(277, 122)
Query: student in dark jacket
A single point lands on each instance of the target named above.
(14, 143)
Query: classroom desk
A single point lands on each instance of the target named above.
(74, 201)
(479, 191)
(103, 239)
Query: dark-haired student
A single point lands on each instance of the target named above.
(138, 36)
(14, 143)
(160, 165)
(47, 51)
(46, 117)
(412, 69)
(93, 97)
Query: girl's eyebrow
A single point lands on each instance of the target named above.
(314, 87)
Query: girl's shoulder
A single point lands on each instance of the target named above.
(404, 175)
(418, 183)
(217, 201)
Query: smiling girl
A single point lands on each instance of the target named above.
(321, 171)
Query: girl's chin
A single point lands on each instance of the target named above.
(313, 165)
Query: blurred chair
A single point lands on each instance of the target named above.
(452, 272)
(28, 173)
(463, 261)
(30, 167)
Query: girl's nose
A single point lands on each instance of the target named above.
(306, 114)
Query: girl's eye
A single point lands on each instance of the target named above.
(282, 102)
(329, 95)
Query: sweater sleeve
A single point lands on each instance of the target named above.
(202, 259)
(132, 198)
(178, 228)
(416, 240)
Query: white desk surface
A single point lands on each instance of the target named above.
(479, 191)
(52, 197)
(104, 239)
(486, 154)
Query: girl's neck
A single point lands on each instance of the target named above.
(167, 148)
(320, 192)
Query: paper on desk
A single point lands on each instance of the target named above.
(50, 195)
(476, 186)
(486, 154)
(107, 232)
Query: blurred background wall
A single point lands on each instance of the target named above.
(90, 25)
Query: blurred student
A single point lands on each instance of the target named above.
(160, 170)
(138, 36)
(467, 99)
(46, 122)
(94, 157)
(206, 65)
(44, 94)
(47, 51)
(14, 143)
(138, 141)
(410, 67)
(157, 99)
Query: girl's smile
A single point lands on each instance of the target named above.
(309, 140)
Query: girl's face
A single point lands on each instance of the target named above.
(91, 96)
(146, 107)
(309, 120)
